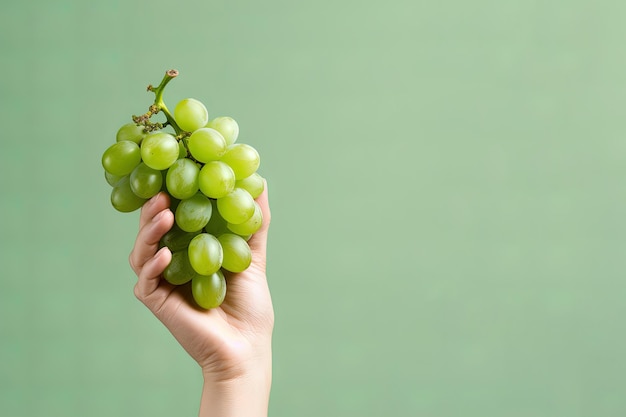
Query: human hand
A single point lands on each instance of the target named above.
(231, 343)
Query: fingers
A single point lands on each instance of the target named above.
(156, 204)
(258, 242)
(150, 273)
(149, 235)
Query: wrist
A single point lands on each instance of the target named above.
(242, 391)
(246, 395)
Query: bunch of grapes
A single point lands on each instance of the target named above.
(212, 183)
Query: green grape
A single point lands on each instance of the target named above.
(250, 226)
(159, 150)
(254, 184)
(177, 239)
(237, 206)
(182, 178)
(121, 158)
(216, 179)
(179, 270)
(227, 126)
(190, 114)
(193, 213)
(130, 132)
(237, 255)
(243, 159)
(113, 180)
(206, 144)
(209, 291)
(216, 225)
(145, 181)
(205, 254)
(123, 199)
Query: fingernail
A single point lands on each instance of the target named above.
(161, 251)
(159, 215)
(150, 202)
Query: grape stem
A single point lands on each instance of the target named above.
(158, 99)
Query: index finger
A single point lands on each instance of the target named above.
(147, 241)
(155, 205)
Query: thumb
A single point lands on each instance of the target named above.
(258, 242)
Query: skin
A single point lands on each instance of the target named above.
(231, 343)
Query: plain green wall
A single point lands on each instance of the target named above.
(447, 182)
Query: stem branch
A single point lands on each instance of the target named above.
(158, 99)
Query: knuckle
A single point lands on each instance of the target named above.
(131, 261)
(137, 293)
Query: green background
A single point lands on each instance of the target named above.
(447, 188)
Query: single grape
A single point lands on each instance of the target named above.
(145, 181)
(209, 291)
(182, 178)
(227, 126)
(121, 158)
(177, 239)
(179, 270)
(190, 114)
(237, 255)
(254, 184)
(159, 150)
(243, 159)
(216, 179)
(193, 213)
(123, 199)
(130, 132)
(111, 179)
(250, 226)
(206, 144)
(237, 206)
(205, 254)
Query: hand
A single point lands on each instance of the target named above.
(231, 343)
